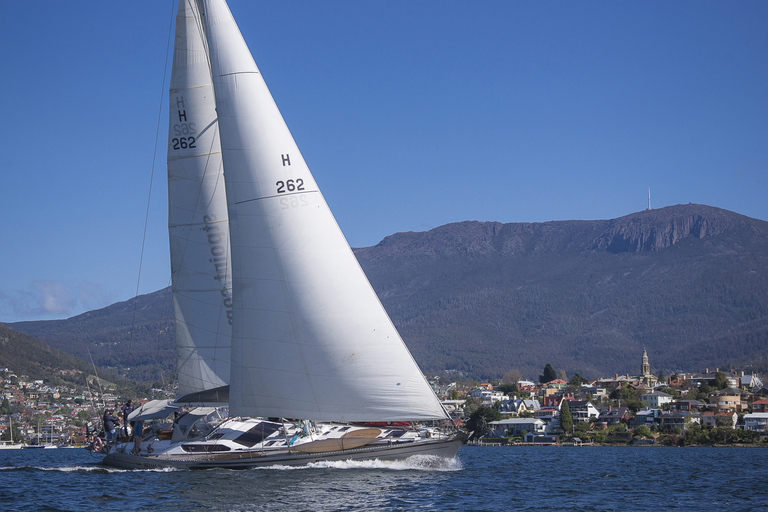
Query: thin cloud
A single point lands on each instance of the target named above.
(46, 300)
(54, 298)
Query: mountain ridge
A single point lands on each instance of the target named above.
(686, 282)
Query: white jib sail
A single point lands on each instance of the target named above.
(197, 215)
(310, 337)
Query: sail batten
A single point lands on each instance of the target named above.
(310, 338)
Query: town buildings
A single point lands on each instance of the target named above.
(687, 400)
(64, 414)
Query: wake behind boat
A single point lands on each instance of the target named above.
(274, 317)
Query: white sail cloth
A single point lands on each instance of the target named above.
(197, 216)
(310, 337)
(154, 409)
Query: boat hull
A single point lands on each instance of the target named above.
(245, 460)
(11, 446)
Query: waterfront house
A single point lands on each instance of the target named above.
(756, 421)
(550, 416)
(582, 410)
(678, 420)
(647, 417)
(515, 426)
(612, 415)
(726, 419)
(530, 437)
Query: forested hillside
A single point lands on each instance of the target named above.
(25, 355)
(688, 283)
(133, 339)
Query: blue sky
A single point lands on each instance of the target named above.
(411, 115)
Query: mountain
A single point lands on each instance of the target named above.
(133, 339)
(25, 355)
(688, 283)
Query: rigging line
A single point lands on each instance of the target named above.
(151, 180)
(165, 312)
(90, 394)
(98, 380)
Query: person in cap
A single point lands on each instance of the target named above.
(110, 423)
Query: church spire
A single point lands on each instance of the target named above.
(645, 369)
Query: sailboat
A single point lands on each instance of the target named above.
(285, 352)
(10, 445)
(46, 444)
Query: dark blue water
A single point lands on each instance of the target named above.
(481, 478)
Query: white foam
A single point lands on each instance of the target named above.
(88, 469)
(415, 462)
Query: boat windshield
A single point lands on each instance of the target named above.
(256, 434)
(198, 423)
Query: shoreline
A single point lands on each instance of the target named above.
(619, 445)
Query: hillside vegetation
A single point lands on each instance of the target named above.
(688, 283)
(133, 339)
(25, 355)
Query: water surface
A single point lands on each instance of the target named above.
(480, 478)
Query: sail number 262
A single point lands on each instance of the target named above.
(290, 185)
(188, 141)
(183, 142)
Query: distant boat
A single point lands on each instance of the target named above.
(274, 316)
(10, 445)
(42, 445)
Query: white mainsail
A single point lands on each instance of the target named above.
(310, 338)
(197, 220)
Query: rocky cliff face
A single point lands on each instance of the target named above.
(654, 230)
(646, 231)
